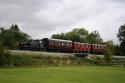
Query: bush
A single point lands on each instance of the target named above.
(24, 59)
(5, 57)
(107, 55)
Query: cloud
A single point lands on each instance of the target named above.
(42, 18)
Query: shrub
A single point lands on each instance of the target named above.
(107, 55)
(5, 57)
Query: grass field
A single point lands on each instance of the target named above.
(70, 74)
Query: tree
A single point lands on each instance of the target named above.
(81, 33)
(7, 39)
(59, 36)
(117, 50)
(73, 36)
(10, 38)
(5, 56)
(121, 33)
(14, 28)
(121, 37)
(109, 51)
(78, 35)
(110, 46)
(95, 37)
(122, 48)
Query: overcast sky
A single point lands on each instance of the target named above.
(42, 18)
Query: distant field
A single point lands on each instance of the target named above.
(70, 74)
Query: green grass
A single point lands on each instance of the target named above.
(71, 74)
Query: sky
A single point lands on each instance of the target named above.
(42, 18)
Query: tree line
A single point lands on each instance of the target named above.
(80, 35)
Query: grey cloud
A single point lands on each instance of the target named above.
(41, 18)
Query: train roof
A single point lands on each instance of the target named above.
(59, 40)
(99, 44)
(82, 43)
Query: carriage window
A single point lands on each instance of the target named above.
(62, 43)
(54, 42)
(57, 43)
(51, 43)
(67, 44)
(99, 46)
(89, 46)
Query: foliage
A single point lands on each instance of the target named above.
(121, 37)
(11, 37)
(95, 37)
(121, 33)
(107, 56)
(110, 46)
(117, 50)
(109, 51)
(80, 35)
(73, 36)
(5, 57)
(59, 36)
(14, 28)
(44, 59)
(122, 47)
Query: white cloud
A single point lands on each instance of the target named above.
(42, 18)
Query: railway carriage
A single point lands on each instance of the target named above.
(96, 48)
(81, 47)
(58, 45)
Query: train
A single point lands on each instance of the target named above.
(63, 46)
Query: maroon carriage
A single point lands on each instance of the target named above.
(81, 47)
(58, 45)
(96, 48)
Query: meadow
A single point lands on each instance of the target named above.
(63, 74)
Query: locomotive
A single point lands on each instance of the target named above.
(58, 45)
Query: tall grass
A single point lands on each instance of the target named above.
(11, 58)
(28, 58)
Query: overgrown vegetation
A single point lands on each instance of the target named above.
(29, 59)
(121, 37)
(9, 39)
(5, 57)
